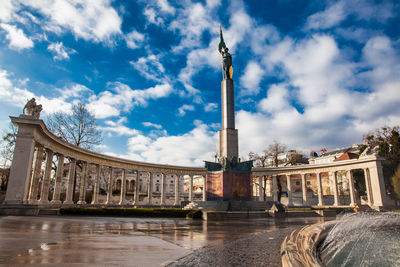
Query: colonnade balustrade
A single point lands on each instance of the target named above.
(319, 184)
(46, 168)
(48, 171)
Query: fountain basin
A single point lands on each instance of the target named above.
(362, 239)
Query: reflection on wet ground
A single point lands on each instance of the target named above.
(120, 241)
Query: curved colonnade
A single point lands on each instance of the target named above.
(322, 181)
(77, 167)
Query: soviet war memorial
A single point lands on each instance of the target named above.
(203, 133)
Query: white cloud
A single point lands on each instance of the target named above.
(189, 149)
(91, 20)
(17, 38)
(150, 124)
(7, 10)
(338, 11)
(331, 16)
(182, 110)
(109, 104)
(251, 79)
(134, 39)
(150, 67)
(18, 97)
(277, 99)
(152, 16)
(211, 107)
(166, 7)
(59, 51)
(118, 128)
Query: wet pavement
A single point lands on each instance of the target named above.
(106, 241)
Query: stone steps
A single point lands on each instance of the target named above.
(48, 212)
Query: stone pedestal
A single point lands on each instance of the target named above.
(228, 185)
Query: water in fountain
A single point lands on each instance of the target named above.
(363, 239)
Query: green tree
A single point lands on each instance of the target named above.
(386, 141)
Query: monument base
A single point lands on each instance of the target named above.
(228, 185)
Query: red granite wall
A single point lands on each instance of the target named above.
(228, 185)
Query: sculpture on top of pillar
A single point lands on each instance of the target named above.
(32, 109)
(226, 56)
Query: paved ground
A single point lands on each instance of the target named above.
(257, 250)
(100, 241)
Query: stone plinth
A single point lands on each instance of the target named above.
(229, 185)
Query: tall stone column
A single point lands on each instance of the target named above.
(162, 201)
(304, 188)
(109, 186)
(57, 184)
(177, 193)
(275, 187)
(351, 188)
(21, 168)
(190, 187)
(319, 188)
(204, 188)
(82, 187)
(289, 190)
(70, 187)
(260, 188)
(33, 193)
(96, 186)
(368, 187)
(44, 195)
(333, 175)
(377, 183)
(123, 188)
(150, 188)
(136, 197)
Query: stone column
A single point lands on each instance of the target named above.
(123, 188)
(335, 189)
(150, 188)
(190, 187)
(57, 184)
(109, 186)
(44, 195)
(275, 187)
(351, 189)
(162, 200)
(304, 188)
(71, 177)
(368, 187)
(204, 188)
(33, 193)
(377, 186)
(96, 186)
(21, 168)
(260, 188)
(82, 187)
(136, 196)
(177, 193)
(289, 190)
(319, 188)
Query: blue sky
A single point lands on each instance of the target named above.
(309, 74)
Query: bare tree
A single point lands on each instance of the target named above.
(79, 128)
(275, 150)
(270, 156)
(293, 157)
(7, 145)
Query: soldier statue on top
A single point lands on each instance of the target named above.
(226, 57)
